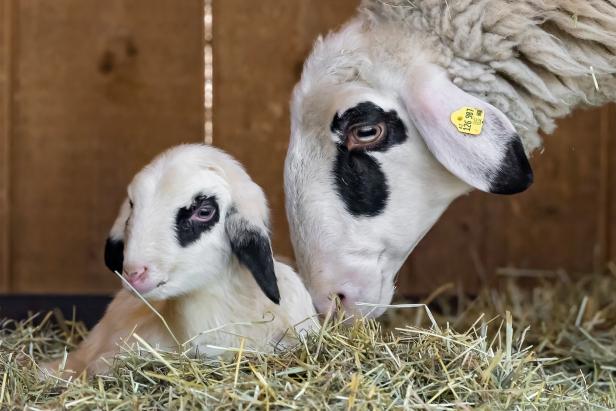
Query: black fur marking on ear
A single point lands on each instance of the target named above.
(366, 113)
(515, 174)
(189, 230)
(360, 182)
(253, 250)
(114, 254)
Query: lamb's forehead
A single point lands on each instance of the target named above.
(183, 169)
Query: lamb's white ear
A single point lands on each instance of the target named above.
(114, 246)
(493, 160)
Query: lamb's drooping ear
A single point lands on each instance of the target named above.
(251, 245)
(114, 246)
(471, 138)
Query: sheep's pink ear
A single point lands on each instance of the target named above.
(487, 154)
(114, 246)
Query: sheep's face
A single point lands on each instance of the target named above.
(374, 159)
(361, 191)
(181, 225)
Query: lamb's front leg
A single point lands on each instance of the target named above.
(125, 315)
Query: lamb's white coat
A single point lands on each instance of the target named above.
(210, 301)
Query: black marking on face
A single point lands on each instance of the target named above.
(188, 228)
(360, 182)
(367, 113)
(515, 174)
(114, 254)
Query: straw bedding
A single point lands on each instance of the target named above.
(552, 346)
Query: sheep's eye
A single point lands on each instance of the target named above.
(365, 135)
(130, 203)
(204, 213)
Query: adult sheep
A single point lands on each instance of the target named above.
(376, 152)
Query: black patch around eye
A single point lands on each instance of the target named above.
(188, 231)
(360, 182)
(367, 113)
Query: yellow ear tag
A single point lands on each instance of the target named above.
(468, 120)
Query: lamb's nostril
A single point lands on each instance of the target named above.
(341, 296)
(135, 273)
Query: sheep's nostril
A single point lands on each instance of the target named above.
(341, 296)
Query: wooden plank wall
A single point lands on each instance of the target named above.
(90, 91)
(5, 82)
(98, 88)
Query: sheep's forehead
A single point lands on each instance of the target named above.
(356, 64)
(365, 52)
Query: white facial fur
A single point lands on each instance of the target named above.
(357, 255)
(171, 182)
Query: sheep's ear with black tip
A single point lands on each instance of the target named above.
(114, 246)
(251, 245)
(492, 160)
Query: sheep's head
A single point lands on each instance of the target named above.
(374, 159)
(190, 215)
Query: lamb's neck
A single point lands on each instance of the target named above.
(231, 299)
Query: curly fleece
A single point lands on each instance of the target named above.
(536, 60)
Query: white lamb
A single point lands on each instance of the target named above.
(192, 238)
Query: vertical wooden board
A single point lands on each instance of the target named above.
(259, 49)
(5, 99)
(557, 222)
(100, 88)
(608, 127)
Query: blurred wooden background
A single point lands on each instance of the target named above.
(90, 91)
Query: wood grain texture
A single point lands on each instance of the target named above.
(259, 50)
(5, 129)
(557, 223)
(609, 131)
(100, 88)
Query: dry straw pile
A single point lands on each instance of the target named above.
(551, 347)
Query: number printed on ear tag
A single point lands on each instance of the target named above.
(468, 120)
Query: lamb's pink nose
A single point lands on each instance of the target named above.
(136, 274)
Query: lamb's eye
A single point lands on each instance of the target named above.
(130, 203)
(204, 213)
(365, 135)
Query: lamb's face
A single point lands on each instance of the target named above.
(192, 217)
(174, 238)
(374, 159)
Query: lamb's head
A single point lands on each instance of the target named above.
(375, 158)
(190, 215)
